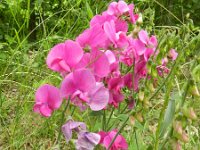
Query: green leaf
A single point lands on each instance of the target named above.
(122, 117)
(89, 11)
(168, 118)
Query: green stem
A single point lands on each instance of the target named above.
(110, 117)
(121, 128)
(136, 139)
(104, 120)
(62, 120)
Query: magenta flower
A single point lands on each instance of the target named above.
(119, 143)
(115, 85)
(82, 88)
(64, 56)
(133, 17)
(87, 141)
(173, 54)
(47, 99)
(150, 42)
(72, 126)
(93, 37)
(119, 39)
(117, 8)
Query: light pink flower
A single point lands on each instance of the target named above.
(173, 54)
(47, 99)
(119, 143)
(64, 56)
(82, 88)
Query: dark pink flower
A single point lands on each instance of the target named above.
(64, 56)
(47, 99)
(119, 143)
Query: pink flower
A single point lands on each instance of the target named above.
(117, 8)
(133, 17)
(47, 99)
(64, 56)
(119, 39)
(119, 143)
(115, 95)
(173, 54)
(150, 42)
(82, 88)
(93, 37)
(97, 61)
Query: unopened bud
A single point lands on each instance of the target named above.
(141, 95)
(132, 120)
(184, 138)
(194, 91)
(190, 113)
(188, 15)
(139, 117)
(178, 128)
(146, 103)
(140, 20)
(150, 85)
(176, 145)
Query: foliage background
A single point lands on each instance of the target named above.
(29, 28)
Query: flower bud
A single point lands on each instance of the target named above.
(178, 128)
(150, 85)
(176, 145)
(141, 95)
(139, 117)
(194, 91)
(188, 15)
(184, 138)
(140, 20)
(190, 113)
(132, 120)
(146, 103)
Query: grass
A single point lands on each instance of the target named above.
(23, 70)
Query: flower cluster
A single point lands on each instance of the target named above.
(91, 70)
